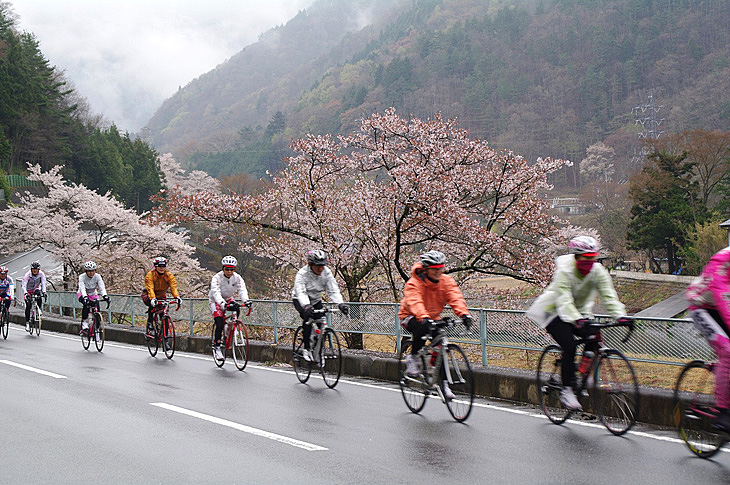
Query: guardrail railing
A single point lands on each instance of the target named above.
(656, 340)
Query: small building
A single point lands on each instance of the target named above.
(726, 225)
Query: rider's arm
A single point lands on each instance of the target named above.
(564, 299)
(43, 282)
(242, 290)
(24, 282)
(333, 289)
(82, 285)
(173, 285)
(299, 292)
(11, 287)
(215, 291)
(100, 285)
(719, 283)
(413, 299)
(149, 284)
(454, 296)
(609, 298)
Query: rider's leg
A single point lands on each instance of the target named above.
(28, 302)
(418, 330)
(562, 332)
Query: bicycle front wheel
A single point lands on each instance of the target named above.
(549, 384)
(4, 321)
(414, 389)
(694, 409)
(152, 342)
(302, 368)
(330, 358)
(239, 346)
(458, 374)
(98, 332)
(36, 321)
(616, 392)
(168, 337)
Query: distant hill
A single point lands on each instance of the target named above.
(542, 77)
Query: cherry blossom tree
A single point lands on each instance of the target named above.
(76, 224)
(189, 183)
(377, 198)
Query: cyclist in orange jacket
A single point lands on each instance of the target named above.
(156, 283)
(425, 295)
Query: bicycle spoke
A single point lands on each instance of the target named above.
(616, 392)
(413, 389)
(302, 368)
(98, 332)
(459, 376)
(549, 384)
(330, 358)
(239, 345)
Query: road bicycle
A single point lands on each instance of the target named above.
(234, 338)
(609, 378)
(36, 314)
(163, 330)
(96, 328)
(694, 409)
(325, 350)
(440, 361)
(4, 317)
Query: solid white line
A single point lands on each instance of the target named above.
(32, 369)
(241, 427)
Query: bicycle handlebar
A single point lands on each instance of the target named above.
(629, 324)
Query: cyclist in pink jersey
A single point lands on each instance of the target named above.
(709, 299)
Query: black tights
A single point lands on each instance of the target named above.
(562, 332)
(306, 325)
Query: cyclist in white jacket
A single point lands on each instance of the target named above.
(310, 284)
(91, 285)
(224, 286)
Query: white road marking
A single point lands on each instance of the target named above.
(32, 369)
(241, 427)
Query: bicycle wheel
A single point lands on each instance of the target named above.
(694, 409)
(616, 392)
(219, 363)
(302, 368)
(168, 337)
(38, 320)
(98, 332)
(4, 321)
(152, 342)
(86, 339)
(414, 389)
(330, 358)
(239, 345)
(549, 384)
(461, 382)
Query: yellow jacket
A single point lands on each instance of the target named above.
(157, 284)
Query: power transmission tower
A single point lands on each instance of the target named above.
(647, 117)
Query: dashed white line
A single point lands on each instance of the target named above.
(32, 369)
(241, 427)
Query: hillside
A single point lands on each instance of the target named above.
(541, 77)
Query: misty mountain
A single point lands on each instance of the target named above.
(541, 77)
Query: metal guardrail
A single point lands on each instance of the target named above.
(655, 340)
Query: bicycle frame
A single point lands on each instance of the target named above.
(438, 342)
(231, 321)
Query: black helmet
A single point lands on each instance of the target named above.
(35, 265)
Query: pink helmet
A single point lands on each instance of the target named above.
(584, 245)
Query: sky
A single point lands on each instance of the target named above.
(127, 57)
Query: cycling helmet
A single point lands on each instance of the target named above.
(89, 266)
(160, 261)
(584, 245)
(35, 265)
(433, 259)
(317, 257)
(229, 262)
(4, 269)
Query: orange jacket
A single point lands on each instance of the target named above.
(157, 284)
(423, 298)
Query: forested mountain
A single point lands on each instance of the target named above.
(43, 121)
(541, 77)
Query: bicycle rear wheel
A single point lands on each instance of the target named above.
(330, 358)
(302, 368)
(616, 392)
(549, 384)
(168, 337)
(152, 342)
(218, 362)
(98, 332)
(414, 389)
(239, 345)
(461, 382)
(86, 339)
(694, 409)
(4, 321)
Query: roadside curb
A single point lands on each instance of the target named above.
(499, 383)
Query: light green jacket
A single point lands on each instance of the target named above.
(571, 296)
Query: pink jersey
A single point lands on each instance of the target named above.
(711, 289)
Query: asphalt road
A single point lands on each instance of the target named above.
(121, 416)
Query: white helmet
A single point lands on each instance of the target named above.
(433, 259)
(89, 266)
(583, 245)
(317, 257)
(229, 261)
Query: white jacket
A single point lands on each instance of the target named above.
(222, 288)
(309, 288)
(88, 286)
(571, 296)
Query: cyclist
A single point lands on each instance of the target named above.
(156, 283)
(34, 286)
(7, 287)
(425, 295)
(709, 300)
(91, 285)
(224, 286)
(566, 306)
(310, 284)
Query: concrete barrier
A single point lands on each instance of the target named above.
(492, 382)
